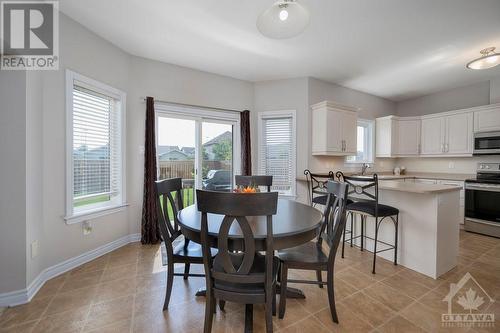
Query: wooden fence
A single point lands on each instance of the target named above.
(185, 169)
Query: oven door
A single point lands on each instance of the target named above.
(482, 202)
(487, 143)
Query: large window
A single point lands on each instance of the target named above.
(95, 148)
(277, 149)
(365, 141)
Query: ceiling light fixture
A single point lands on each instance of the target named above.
(489, 59)
(284, 19)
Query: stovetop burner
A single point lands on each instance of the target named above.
(488, 173)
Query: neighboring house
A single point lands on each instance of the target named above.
(209, 146)
(174, 155)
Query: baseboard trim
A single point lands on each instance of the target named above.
(23, 296)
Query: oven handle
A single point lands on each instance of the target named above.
(483, 187)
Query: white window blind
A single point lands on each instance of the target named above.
(277, 152)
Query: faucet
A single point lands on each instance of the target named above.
(364, 167)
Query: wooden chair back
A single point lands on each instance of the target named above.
(169, 194)
(254, 181)
(316, 183)
(236, 207)
(335, 216)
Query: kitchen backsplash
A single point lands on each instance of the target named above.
(448, 164)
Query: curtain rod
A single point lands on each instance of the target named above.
(194, 106)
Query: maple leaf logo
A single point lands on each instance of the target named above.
(471, 301)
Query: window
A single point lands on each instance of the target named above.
(95, 122)
(365, 143)
(277, 149)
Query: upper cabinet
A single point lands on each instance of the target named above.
(397, 136)
(487, 119)
(446, 135)
(334, 129)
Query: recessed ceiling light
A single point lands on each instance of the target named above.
(284, 19)
(489, 59)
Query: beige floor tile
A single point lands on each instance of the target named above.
(119, 327)
(388, 296)
(399, 324)
(72, 300)
(369, 309)
(22, 328)
(116, 288)
(51, 287)
(98, 264)
(348, 320)
(119, 272)
(294, 311)
(427, 319)
(406, 286)
(109, 312)
(356, 278)
(383, 268)
(68, 321)
(419, 278)
(80, 280)
(23, 313)
(310, 324)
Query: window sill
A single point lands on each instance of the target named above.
(92, 214)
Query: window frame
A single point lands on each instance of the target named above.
(263, 115)
(97, 210)
(370, 124)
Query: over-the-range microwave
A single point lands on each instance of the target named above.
(487, 143)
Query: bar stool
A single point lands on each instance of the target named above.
(316, 186)
(367, 205)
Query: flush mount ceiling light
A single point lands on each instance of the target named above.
(284, 19)
(489, 59)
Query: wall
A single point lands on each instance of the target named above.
(453, 99)
(175, 84)
(12, 180)
(482, 93)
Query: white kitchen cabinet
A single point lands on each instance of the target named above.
(447, 135)
(487, 118)
(462, 196)
(458, 139)
(334, 129)
(397, 136)
(432, 136)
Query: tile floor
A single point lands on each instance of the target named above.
(123, 291)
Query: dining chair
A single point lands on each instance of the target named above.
(312, 256)
(247, 276)
(255, 181)
(365, 191)
(183, 251)
(316, 185)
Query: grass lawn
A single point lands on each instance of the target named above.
(187, 199)
(93, 200)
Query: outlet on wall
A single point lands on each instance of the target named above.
(34, 249)
(451, 165)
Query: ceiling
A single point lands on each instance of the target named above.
(397, 49)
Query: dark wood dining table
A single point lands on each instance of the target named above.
(294, 224)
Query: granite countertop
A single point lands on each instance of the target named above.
(417, 187)
(411, 175)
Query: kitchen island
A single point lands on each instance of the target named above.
(428, 232)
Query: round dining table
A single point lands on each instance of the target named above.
(293, 224)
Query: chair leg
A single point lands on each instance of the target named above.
(343, 241)
(170, 281)
(362, 232)
(396, 240)
(222, 304)
(352, 226)
(209, 313)
(269, 309)
(331, 295)
(375, 244)
(186, 270)
(283, 286)
(320, 278)
(274, 300)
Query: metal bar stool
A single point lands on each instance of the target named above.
(365, 191)
(316, 186)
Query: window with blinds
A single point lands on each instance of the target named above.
(277, 151)
(96, 148)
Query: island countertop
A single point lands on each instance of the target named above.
(416, 187)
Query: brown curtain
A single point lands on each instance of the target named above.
(150, 231)
(246, 152)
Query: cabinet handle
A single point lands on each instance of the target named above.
(447, 147)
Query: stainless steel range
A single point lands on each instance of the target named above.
(482, 200)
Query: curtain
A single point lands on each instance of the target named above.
(150, 232)
(246, 152)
